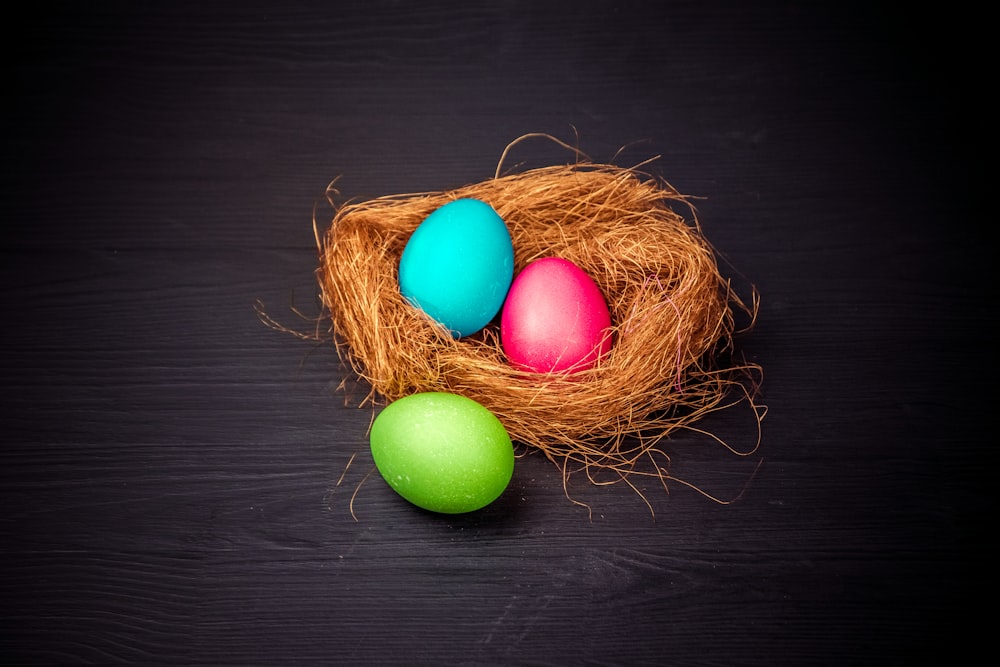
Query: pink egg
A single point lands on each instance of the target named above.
(554, 319)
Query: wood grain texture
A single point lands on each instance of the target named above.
(177, 479)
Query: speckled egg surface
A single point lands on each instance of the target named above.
(555, 318)
(443, 452)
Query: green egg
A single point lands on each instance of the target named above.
(442, 452)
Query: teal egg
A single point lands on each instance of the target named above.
(443, 452)
(458, 265)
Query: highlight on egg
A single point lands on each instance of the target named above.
(555, 319)
(443, 452)
(458, 264)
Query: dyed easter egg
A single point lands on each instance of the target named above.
(458, 264)
(555, 318)
(443, 452)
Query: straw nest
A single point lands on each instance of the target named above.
(672, 314)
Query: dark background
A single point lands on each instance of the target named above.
(169, 465)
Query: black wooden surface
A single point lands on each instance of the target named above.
(169, 466)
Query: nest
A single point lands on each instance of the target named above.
(672, 313)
